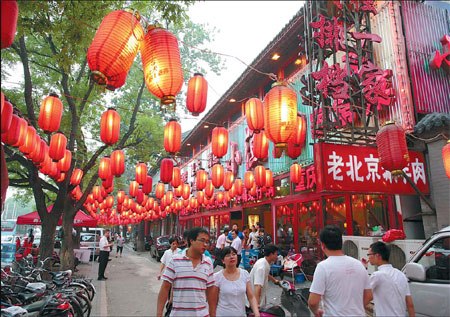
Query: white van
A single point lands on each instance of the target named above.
(428, 272)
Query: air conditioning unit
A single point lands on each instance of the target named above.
(357, 247)
(402, 251)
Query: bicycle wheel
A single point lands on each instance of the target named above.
(85, 303)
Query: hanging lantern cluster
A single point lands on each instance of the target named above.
(114, 48)
(162, 64)
(280, 113)
(392, 148)
(197, 94)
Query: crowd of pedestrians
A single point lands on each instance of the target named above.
(341, 285)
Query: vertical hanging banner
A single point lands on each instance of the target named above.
(357, 169)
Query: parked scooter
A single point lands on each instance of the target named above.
(295, 300)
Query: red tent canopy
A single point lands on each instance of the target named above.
(81, 219)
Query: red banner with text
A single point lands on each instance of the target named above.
(357, 169)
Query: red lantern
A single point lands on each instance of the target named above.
(200, 197)
(117, 163)
(120, 197)
(76, 177)
(260, 146)
(209, 189)
(280, 113)
(160, 190)
(269, 178)
(58, 143)
(249, 179)
(38, 155)
(104, 168)
(7, 114)
(238, 186)
(50, 114)
(186, 191)
(65, 162)
(9, 14)
(30, 141)
(162, 64)
(217, 175)
(114, 46)
(299, 136)
(219, 141)
(295, 173)
(141, 173)
(147, 186)
(197, 94)
(178, 191)
(293, 151)
(392, 148)
(110, 126)
(115, 82)
(172, 137)
(166, 170)
(200, 179)
(228, 180)
(176, 177)
(134, 187)
(254, 111)
(260, 176)
(446, 158)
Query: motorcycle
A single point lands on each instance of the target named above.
(295, 300)
(268, 311)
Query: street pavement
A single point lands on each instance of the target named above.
(132, 287)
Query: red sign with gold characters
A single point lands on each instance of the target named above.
(357, 169)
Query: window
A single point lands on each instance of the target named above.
(436, 260)
(370, 215)
(335, 212)
(284, 231)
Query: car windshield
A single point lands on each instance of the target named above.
(163, 240)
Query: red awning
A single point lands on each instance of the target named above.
(81, 219)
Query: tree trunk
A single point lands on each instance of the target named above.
(140, 237)
(48, 238)
(67, 256)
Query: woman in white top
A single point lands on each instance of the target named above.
(168, 254)
(230, 287)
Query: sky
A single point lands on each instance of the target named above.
(245, 28)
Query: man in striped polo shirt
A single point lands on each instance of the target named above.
(191, 277)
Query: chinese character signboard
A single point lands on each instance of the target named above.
(357, 169)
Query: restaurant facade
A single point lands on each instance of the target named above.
(350, 79)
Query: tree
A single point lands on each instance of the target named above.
(50, 48)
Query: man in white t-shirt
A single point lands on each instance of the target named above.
(390, 287)
(236, 243)
(259, 275)
(340, 281)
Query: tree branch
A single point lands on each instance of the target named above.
(93, 158)
(132, 126)
(81, 72)
(27, 78)
(67, 94)
(86, 96)
(45, 66)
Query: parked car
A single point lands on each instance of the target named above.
(429, 277)
(148, 243)
(158, 248)
(90, 241)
